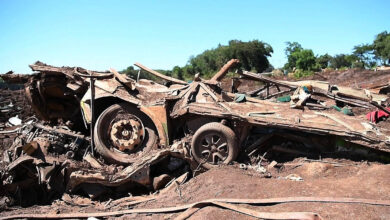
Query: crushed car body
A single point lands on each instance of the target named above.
(164, 106)
(143, 129)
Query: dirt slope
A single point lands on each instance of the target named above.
(354, 180)
(343, 179)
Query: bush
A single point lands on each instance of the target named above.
(277, 72)
(358, 65)
(302, 73)
(344, 68)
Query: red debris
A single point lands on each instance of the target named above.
(376, 116)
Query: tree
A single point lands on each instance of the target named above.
(365, 54)
(381, 47)
(130, 71)
(253, 55)
(298, 57)
(324, 60)
(177, 72)
(292, 47)
(343, 60)
(305, 59)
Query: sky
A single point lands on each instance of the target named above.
(98, 35)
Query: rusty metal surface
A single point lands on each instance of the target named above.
(52, 101)
(341, 93)
(127, 134)
(280, 115)
(158, 114)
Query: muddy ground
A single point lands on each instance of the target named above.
(326, 177)
(329, 178)
(347, 179)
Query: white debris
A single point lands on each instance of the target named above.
(294, 177)
(15, 121)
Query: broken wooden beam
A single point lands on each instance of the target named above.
(162, 76)
(222, 72)
(262, 78)
(279, 93)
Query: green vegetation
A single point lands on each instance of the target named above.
(381, 47)
(303, 62)
(253, 56)
(342, 61)
(299, 58)
(302, 73)
(365, 55)
(324, 61)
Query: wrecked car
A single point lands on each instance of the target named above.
(130, 117)
(148, 133)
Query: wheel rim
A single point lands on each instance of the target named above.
(213, 148)
(126, 133)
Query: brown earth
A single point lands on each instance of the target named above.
(344, 178)
(354, 180)
(355, 78)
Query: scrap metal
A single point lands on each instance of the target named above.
(141, 123)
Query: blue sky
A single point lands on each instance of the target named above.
(161, 34)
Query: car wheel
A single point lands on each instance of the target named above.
(213, 144)
(122, 134)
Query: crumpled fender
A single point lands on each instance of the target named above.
(156, 113)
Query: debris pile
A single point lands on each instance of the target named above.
(13, 108)
(103, 135)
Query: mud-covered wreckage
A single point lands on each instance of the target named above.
(147, 131)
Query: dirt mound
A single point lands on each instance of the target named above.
(340, 179)
(316, 169)
(325, 178)
(355, 78)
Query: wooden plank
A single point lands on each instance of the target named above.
(222, 72)
(162, 76)
(259, 77)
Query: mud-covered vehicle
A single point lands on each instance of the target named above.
(131, 118)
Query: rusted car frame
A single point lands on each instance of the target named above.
(148, 130)
(166, 110)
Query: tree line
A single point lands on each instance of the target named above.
(368, 56)
(253, 56)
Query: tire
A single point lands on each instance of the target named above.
(213, 144)
(104, 143)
